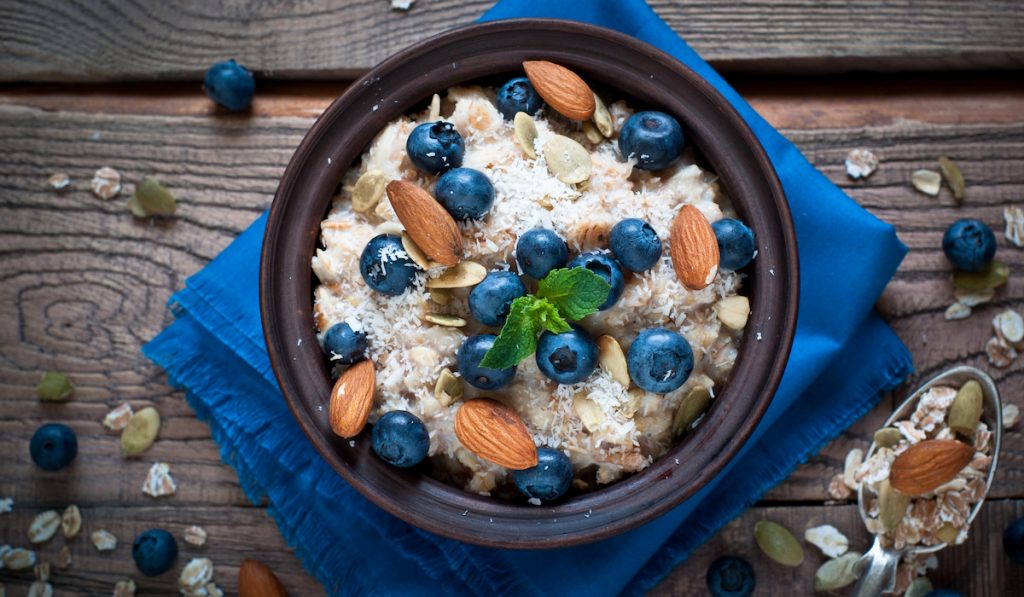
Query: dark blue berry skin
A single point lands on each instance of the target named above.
(731, 576)
(547, 481)
(1013, 541)
(659, 360)
(400, 439)
(518, 95)
(735, 243)
(635, 244)
(969, 245)
(154, 552)
(385, 265)
(491, 298)
(435, 147)
(653, 139)
(569, 357)
(468, 359)
(606, 267)
(540, 250)
(342, 341)
(943, 593)
(229, 84)
(467, 194)
(53, 446)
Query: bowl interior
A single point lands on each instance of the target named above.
(628, 69)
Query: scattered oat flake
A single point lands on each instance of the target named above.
(6, 505)
(40, 589)
(828, 539)
(195, 535)
(860, 163)
(44, 526)
(534, 501)
(124, 588)
(973, 298)
(957, 310)
(195, 575)
(19, 558)
(104, 540)
(1014, 232)
(106, 183)
(1000, 354)
(159, 482)
(42, 571)
(402, 5)
(118, 417)
(63, 559)
(854, 458)
(927, 181)
(1011, 414)
(59, 181)
(1009, 326)
(837, 488)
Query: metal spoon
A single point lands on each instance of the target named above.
(878, 566)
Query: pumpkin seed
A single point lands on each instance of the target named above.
(589, 412)
(892, 505)
(947, 533)
(926, 181)
(463, 275)
(54, 386)
(451, 321)
(919, 588)
(140, 432)
(603, 119)
(778, 543)
(526, 133)
(591, 133)
(71, 521)
(435, 108)
(448, 389)
(733, 311)
(954, 178)
(368, 191)
(836, 573)
(44, 526)
(388, 227)
(612, 359)
(692, 406)
(993, 276)
(441, 296)
(152, 199)
(888, 437)
(416, 253)
(567, 160)
(965, 411)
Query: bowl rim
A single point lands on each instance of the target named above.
(645, 509)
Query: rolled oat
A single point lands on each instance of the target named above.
(106, 183)
(828, 539)
(860, 163)
(158, 481)
(195, 535)
(104, 540)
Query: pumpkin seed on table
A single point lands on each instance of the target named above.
(993, 276)
(602, 118)
(926, 181)
(152, 199)
(44, 526)
(452, 321)
(954, 178)
(448, 389)
(526, 133)
(837, 572)
(140, 432)
(368, 191)
(892, 505)
(887, 437)
(778, 543)
(54, 386)
(567, 160)
(690, 408)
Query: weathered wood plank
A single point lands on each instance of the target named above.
(128, 39)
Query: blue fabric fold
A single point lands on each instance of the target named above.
(843, 357)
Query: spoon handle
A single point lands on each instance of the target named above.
(877, 571)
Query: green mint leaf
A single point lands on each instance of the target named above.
(546, 316)
(518, 337)
(576, 292)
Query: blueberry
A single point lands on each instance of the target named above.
(344, 345)
(435, 147)
(400, 439)
(491, 298)
(653, 139)
(518, 95)
(386, 266)
(659, 360)
(53, 446)
(606, 267)
(467, 194)
(943, 593)
(731, 576)
(540, 250)
(229, 84)
(547, 481)
(969, 245)
(1013, 541)
(635, 245)
(154, 552)
(735, 243)
(569, 357)
(471, 353)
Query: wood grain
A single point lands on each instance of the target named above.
(83, 285)
(179, 39)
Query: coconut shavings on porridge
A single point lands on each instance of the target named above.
(531, 289)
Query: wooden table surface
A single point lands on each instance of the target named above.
(83, 284)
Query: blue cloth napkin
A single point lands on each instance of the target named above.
(843, 357)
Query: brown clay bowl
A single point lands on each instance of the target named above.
(492, 52)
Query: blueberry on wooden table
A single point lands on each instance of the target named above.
(547, 481)
(53, 446)
(385, 265)
(466, 194)
(518, 95)
(154, 552)
(735, 243)
(540, 250)
(468, 360)
(605, 266)
(1013, 541)
(435, 147)
(731, 576)
(969, 245)
(400, 439)
(344, 344)
(491, 299)
(653, 139)
(230, 85)
(659, 360)
(635, 244)
(569, 357)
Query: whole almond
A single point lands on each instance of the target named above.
(256, 580)
(495, 432)
(928, 464)
(693, 248)
(352, 398)
(431, 227)
(561, 88)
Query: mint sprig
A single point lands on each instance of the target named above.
(563, 295)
